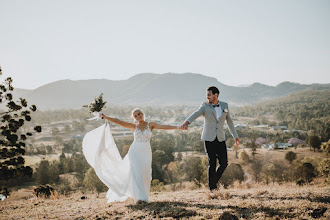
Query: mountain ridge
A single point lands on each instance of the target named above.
(152, 89)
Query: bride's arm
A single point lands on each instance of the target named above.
(154, 125)
(120, 122)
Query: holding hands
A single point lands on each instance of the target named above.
(184, 125)
(236, 141)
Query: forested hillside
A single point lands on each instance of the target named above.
(308, 110)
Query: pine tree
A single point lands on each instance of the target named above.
(12, 139)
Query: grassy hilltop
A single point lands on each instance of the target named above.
(259, 202)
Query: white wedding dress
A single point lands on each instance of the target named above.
(128, 177)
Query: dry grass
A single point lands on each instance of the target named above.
(32, 160)
(257, 202)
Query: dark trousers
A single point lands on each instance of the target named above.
(216, 150)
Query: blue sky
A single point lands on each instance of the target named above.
(238, 42)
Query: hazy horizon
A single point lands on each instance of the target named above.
(242, 85)
(237, 42)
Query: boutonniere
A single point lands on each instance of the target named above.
(225, 110)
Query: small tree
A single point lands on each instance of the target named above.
(276, 171)
(78, 126)
(290, 156)
(324, 169)
(256, 168)
(179, 156)
(46, 172)
(253, 146)
(92, 182)
(81, 163)
(156, 186)
(171, 172)
(326, 147)
(67, 148)
(55, 132)
(314, 141)
(243, 156)
(194, 170)
(67, 129)
(234, 172)
(12, 140)
(49, 149)
(306, 172)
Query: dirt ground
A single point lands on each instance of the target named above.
(257, 202)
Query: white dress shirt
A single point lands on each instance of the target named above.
(218, 110)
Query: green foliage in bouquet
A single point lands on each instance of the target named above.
(97, 105)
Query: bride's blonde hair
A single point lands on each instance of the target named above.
(137, 110)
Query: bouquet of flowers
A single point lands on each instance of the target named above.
(96, 106)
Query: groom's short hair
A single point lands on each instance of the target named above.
(213, 89)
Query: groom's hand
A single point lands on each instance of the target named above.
(236, 141)
(184, 126)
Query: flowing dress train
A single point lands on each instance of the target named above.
(127, 177)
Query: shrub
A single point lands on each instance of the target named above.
(326, 147)
(92, 182)
(290, 156)
(44, 191)
(64, 187)
(243, 156)
(157, 186)
(275, 171)
(314, 141)
(193, 167)
(255, 169)
(300, 182)
(171, 172)
(234, 172)
(324, 169)
(305, 171)
(47, 172)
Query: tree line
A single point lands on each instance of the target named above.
(307, 110)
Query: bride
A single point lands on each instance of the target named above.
(128, 177)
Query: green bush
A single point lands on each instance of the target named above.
(234, 172)
(93, 183)
(243, 156)
(157, 186)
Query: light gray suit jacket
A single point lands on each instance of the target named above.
(212, 127)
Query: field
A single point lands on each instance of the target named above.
(274, 155)
(258, 202)
(243, 201)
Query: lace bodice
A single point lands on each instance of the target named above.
(142, 136)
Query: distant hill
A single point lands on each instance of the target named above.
(152, 89)
(304, 110)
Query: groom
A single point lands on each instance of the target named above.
(215, 114)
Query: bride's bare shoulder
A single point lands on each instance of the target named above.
(151, 123)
